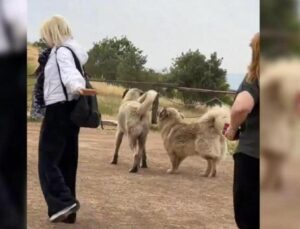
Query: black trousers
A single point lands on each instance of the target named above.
(246, 191)
(58, 157)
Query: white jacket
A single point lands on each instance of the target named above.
(71, 77)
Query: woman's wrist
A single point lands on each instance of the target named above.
(233, 127)
(79, 90)
(230, 133)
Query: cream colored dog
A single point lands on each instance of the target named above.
(279, 117)
(203, 138)
(133, 120)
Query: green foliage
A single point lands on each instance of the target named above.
(119, 59)
(40, 44)
(192, 69)
(114, 59)
(280, 20)
(281, 14)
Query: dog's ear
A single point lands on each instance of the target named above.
(271, 88)
(141, 92)
(211, 122)
(124, 93)
(181, 115)
(163, 113)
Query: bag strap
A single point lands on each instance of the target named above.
(77, 62)
(59, 73)
(78, 66)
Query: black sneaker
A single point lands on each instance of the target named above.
(70, 219)
(63, 214)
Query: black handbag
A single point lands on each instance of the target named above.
(85, 112)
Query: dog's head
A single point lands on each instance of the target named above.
(280, 86)
(132, 94)
(169, 114)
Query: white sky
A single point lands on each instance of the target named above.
(163, 29)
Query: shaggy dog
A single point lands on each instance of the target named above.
(203, 138)
(279, 112)
(133, 120)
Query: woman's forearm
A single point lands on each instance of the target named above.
(242, 106)
(237, 118)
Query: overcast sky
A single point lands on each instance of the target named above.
(161, 28)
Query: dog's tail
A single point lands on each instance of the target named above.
(146, 101)
(217, 116)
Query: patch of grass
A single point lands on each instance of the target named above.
(109, 105)
(32, 58)
(32, 64)
(30, 119)
(108, 90)
(30, 86)
(232, 146)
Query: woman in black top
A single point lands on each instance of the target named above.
(245, 123)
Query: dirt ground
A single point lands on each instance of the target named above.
(111, 197)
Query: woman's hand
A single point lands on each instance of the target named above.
(230, 133)
(87, 92)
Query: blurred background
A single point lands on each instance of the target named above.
(13, 20)
(280, 132)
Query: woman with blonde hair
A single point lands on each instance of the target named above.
(244, 125)
(58, 144)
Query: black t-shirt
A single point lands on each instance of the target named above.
(249, 134)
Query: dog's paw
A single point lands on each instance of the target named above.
(113, 162)
(170, 171)
(214, 173)
(144, 165)
(133, 170)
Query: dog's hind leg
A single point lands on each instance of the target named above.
(214, 168)
(208, 168)
(179, 160)
(119, 137)
(137, 155)
(144, 156)
(144, 159)
(175, 161)
(273, 178)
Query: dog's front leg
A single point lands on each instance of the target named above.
(208, 168)
(142, 143)
(119, 137)
(214, 168)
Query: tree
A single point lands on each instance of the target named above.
(115, 58)
(280, 28)
(130, 67)
(40, 44)
(192, 69)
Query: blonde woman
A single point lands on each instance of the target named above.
(58, 145)
(245, 123)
